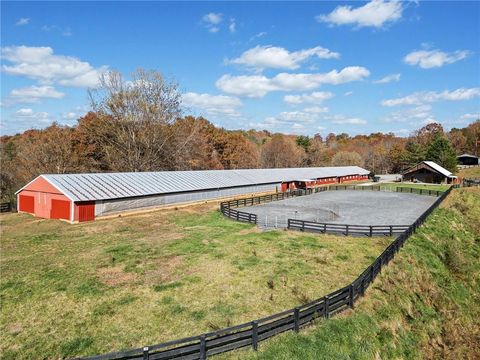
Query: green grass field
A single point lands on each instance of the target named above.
(392, 186)
(424, 305)
(70, 290)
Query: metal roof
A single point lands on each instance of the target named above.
(467, 155)
(103, 186)
(438, 168)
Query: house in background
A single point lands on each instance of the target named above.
(429, 172)
(467, 159)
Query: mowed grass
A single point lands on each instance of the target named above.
(469, 173)
(424, 305)
(393, 186)
(71, 290)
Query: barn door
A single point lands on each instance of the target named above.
(27, 204)
(60, 209)
(86, 211)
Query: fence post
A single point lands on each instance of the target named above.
(255, 335)
(371, 231)
(296, 318)
(351, 295)
(346, 228)
(203, 348)
(324, 228)
(303, 225)
(325, 308)
(145, 353)
(391, 230)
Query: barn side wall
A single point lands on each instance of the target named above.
(106, 207)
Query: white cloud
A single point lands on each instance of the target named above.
(214, 105)
(258, 36)
(348, 93)
(29, 114)
(213, 18)
(423, 97)
(374, 14)
(428, 59)
(470, 116)
(342, 120)
(233, 26)
(22, 21)
(313, 98)
(261, 57)
(413, 114)
(34, 93)
(388, 79)
(54, 28)
(260, 85)
(316, 109)
(40, 63)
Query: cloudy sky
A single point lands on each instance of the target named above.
(302, 68)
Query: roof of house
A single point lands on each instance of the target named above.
(104, 186)
(467, 155)
(435, 167)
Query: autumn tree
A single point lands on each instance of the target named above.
(347, 158)
(426, 134)
(440, 151)
(281, 152)
(137, 117)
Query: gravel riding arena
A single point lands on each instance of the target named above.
(344, 207)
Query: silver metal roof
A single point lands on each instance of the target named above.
(438, 168)
(103, 186)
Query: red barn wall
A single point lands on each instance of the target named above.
(44, 194)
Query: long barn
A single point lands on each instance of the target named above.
(83, 197)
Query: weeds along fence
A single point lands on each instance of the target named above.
(252, 333)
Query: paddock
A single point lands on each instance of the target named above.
(344, 207)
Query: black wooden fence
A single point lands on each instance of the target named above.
(251, 333)
(5, 207)
(471, 182)
(346, 229)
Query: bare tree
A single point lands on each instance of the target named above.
(137, 120)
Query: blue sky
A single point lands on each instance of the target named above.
(301, 68)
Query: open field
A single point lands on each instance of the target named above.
(392, 186)
(473, 172)
(69, 290)
(424, 305)
(352, 207)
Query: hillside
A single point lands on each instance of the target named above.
(423, 306)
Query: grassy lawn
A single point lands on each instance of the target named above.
(69, 290)
(392, 186)
(473, 172)
(424, 305)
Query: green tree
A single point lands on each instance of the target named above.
(440, 150)
(413, 153)
(304, 142)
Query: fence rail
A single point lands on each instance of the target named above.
(5, 207)
(471, 182)
(251, 333)
(346, 229)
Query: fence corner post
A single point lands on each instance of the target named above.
(255, 335)
(296, 319)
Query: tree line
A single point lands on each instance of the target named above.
(137, 125)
